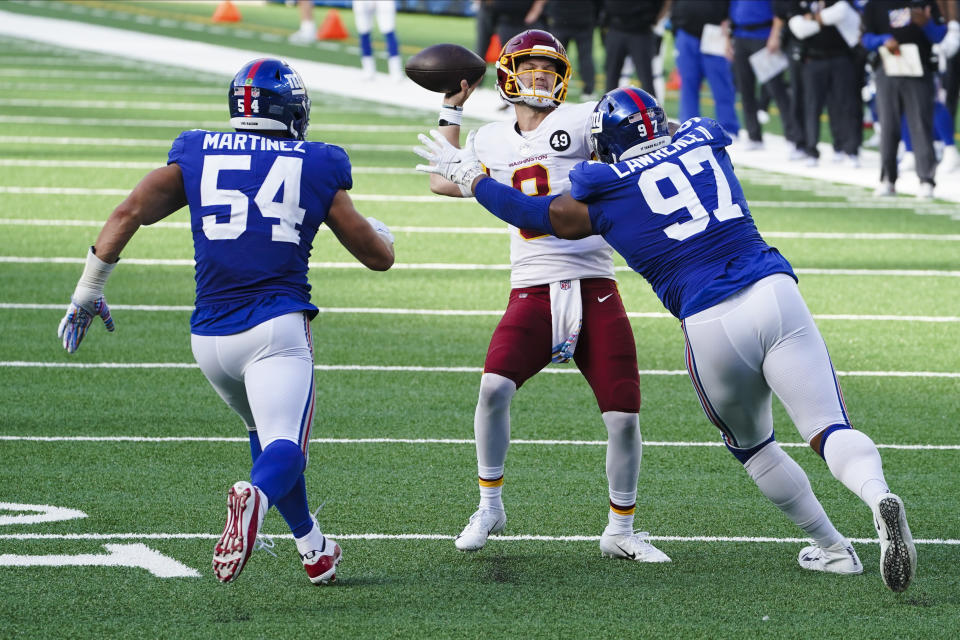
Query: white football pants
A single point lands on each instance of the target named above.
(385, 10)
(265, 374)
(760, 339)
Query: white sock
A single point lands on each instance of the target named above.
(853, 459)
(785, 484)
(619, 524)
(368, 66)
(491, 487)
(308, 26)
(395, 66)
(312, 541)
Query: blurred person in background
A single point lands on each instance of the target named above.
(829, 30)
(689, 19)
(951, 76)
(576, 21)
(755, 27)
(386, 14)
(363, 15)
(630, 31)
(888, 24)
(510, 17)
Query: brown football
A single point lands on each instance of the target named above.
(441, 67)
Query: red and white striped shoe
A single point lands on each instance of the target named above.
(246, 507)
(321, 564)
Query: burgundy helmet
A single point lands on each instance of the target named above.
(519, 87)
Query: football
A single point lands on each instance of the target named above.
(441, 67)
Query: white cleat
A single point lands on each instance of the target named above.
(631, 546)
(925, 192)
(483, 523)
(839, 558)
(246, 507)
(898, 555)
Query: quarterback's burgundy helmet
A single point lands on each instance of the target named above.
(519, 87)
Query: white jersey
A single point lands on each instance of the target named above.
(538, 163)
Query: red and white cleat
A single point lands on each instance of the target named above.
(321, 564)
(246, 507)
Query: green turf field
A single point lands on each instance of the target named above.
(128, 432)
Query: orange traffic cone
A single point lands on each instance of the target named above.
(332, 27)
(673, 82)
(226, 12)
(493, 51)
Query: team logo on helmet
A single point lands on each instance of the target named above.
(627, 122)
(267, 94)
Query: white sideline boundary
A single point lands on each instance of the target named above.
(345, 81)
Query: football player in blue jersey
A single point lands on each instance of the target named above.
(670, 204)
(257, 198)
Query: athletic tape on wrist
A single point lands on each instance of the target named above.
(450, 115)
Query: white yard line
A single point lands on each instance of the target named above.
(23, 364)
(158, 142)
(443, 441)
(108, 164)
(441, 536)
(464, 312)
(433, 266)
(209, 124)
(794, 235)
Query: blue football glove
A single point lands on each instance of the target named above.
(77, 321)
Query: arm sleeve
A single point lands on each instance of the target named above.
(515, 207)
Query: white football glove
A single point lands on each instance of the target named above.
(86, 302)
(459, 166)
(382, 230)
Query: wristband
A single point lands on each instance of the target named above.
(450, 115)
(95, 274)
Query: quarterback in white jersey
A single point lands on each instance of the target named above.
(564, 303)
(538, 163)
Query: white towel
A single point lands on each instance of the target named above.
(566, 310)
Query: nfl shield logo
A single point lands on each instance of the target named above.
(564, 285)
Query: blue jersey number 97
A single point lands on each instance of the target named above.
(686, 196)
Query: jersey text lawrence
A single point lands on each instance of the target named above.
(680, 201)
